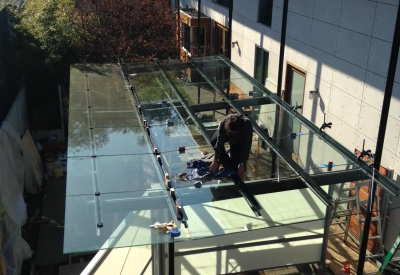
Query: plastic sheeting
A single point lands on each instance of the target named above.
(34, 168)
(12, 168)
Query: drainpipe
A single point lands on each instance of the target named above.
(230, 29)
(381, 137)
(198, 27)
(279, 86)
(179, 29)
(198, 48)
(282, 50)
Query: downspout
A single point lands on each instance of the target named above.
(279, 86)
(198, 47)
(198, 26)
(380, 140)
(230, 29)
(283, 43)
(229, 47)
(179, 29)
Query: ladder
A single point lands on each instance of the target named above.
(342, 215)
(350, 195)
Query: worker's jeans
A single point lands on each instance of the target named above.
(231, 161)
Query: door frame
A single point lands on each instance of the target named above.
(286, 95)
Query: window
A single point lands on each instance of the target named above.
(224, 3)
(222, 40)
(261, 65)
(186, 36)
(202, 39)
(265, 12)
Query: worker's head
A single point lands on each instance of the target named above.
(234, 124)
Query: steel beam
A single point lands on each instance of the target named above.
(211, 106)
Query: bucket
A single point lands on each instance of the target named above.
(50, 166)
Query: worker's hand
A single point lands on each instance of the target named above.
(214, 166)
(240, 170)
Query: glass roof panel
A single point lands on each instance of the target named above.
(78, 98)
(80, 143)
(152, 88)
(80, 178)
(100, 82)
(111, 99)
(102, 118)
(169, 130)
(115, 220)
(106, 174)
(77, 81)
(79, 117)
(117, 186)
(127, 173)
(222, 210)
(295, 139)
(120, 141)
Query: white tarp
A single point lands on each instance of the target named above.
(12, 168)
(34, 168)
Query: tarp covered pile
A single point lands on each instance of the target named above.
(21, 170)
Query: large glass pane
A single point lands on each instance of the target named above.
(80, 178)
(80, 143)
(115, 220)
(113, 174)
(78, 98)
(296, 99)
(120, 141)
(111, 99)
(128, 173)
(113, 119)
(116, 186)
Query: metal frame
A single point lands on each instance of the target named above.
(294, 166)
(386, 183)
(249, 190)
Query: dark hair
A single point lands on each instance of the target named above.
(234, 123)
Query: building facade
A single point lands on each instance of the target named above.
(335, 68)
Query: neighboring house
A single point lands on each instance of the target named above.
(340, 48)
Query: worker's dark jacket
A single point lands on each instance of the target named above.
(242, 139)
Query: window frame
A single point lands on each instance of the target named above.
(259, 17)
(264, 69)
(221, 4)
(194, 40)
(186, 37)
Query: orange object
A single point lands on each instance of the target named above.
(346, 267)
